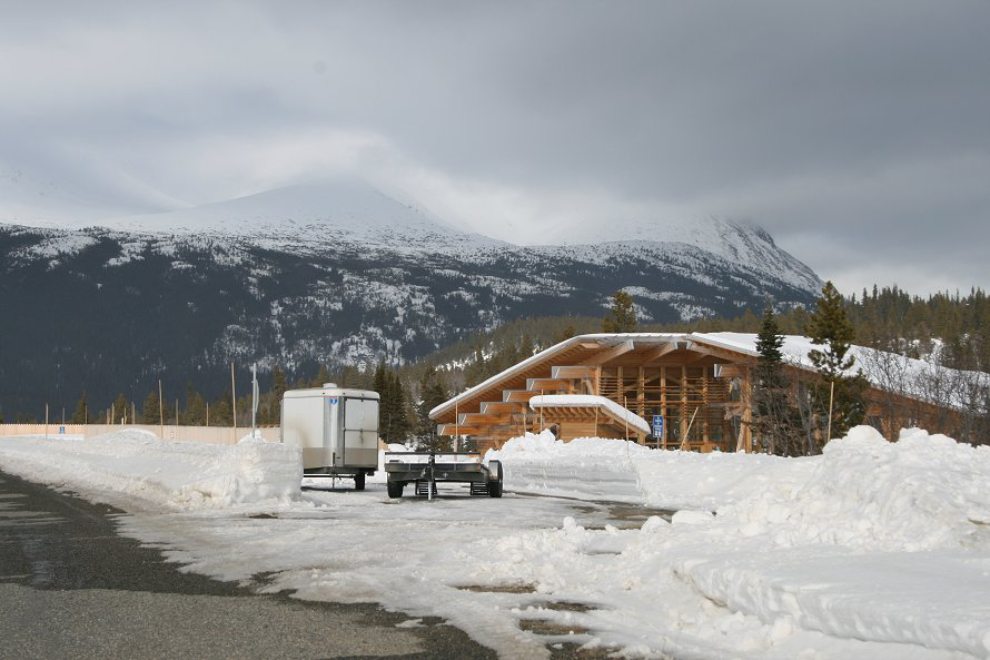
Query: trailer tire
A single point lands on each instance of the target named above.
(495, 488)
(359, 481)
(495, 474)
(395, 489)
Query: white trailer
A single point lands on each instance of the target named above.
(337, 429)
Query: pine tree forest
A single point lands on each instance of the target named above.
(954, 327)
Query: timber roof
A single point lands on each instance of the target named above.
(729, 346)
(578, 350)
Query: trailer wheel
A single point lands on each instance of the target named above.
(395, 489)
(495, 488)
(359, 481)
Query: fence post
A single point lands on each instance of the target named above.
(233, 402)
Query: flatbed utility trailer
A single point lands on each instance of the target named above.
(402, 469)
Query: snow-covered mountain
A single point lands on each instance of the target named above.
(336, 273)
(340, 210)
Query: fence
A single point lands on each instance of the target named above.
(214, 435)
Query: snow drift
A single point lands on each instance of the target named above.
(135, 467)
(885, 546)
(619, 471)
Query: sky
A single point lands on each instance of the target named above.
(857, 133)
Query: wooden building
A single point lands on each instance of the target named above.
(619, 385)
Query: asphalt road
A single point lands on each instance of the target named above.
(72, 588)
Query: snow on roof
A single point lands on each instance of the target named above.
(796, 351)
(590, 401)
(887, 371)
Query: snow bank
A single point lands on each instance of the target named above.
(872, 550)
(134, 465)
(620, 471)
(921, 493)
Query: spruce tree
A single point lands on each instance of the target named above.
(120, 408)
(322, 377)
(397, 410)
(150, 411)
(432, 393)
(773, 420)
(622, 316)
(220, 413)
(195, 414)
(81, 414)
(380, 382)
(830, 328)
(280, 386)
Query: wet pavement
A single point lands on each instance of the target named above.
(72, 588)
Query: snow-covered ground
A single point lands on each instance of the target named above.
(873, 550)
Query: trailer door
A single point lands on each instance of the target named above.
(361, 432)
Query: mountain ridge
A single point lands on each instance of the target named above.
(116, 309)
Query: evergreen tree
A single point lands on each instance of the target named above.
(220, 413)
(380, 382)
(120, 408)
(565, 334)
(774, 420)
(150, 411)
(622, 315)
(280, 386)
(830, 328)
(81, 413)
(195, 414)
(432, 392)
(322, 377)
(398, 424)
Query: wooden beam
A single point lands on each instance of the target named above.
(722, 353)
(518, 396)
(611, 353)
(663, 404)
(732, 371)
(572, 372)
(659, 352)
(641, 394)
(697, 355)
(457, 429)
(481, 419)
(546, 384)
(500, 407)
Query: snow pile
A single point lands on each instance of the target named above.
(134, 465)
(872, 550)
(921, 493)
(586, 468)
(620, 471)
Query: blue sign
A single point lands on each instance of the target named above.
(61, 430)
(333, 400)
(658, 426)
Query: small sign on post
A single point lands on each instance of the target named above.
(658, 426)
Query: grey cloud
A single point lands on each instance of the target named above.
(858, 133)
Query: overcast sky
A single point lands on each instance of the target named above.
(857, 133)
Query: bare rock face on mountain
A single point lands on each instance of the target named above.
(331, 272)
